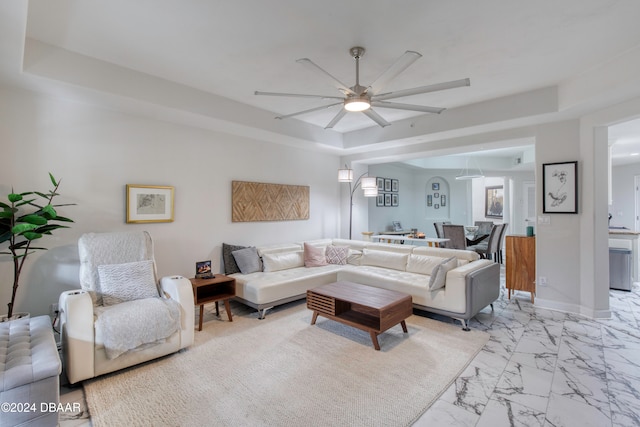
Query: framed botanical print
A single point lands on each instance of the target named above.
(380, 183)
(387, 184)
(395, 184)
(380, 200)
(394, 200)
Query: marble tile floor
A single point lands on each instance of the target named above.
(540, 368)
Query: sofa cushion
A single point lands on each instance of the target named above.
(446, 253)
(265, 288)
(314, 256)
(439, 273)
(247, 260)
(393, 260)
(337, 254)
(127, 282)
(423, 264)
(318, 243)
(230, 265)
(279, 248)
(282, 260)
(390, 247)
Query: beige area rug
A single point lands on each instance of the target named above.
(282, 371)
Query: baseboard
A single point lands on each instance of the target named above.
(573, 308)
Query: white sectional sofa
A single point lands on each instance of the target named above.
(470, 285)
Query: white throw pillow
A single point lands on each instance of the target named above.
(127, 282)
(439, 274)
(423, 264)
(247, 260)
(355, 257)
(393, 260)
(282, 261)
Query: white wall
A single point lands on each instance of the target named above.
(96, 152)
(381, 217)
(623, 186)
(560, 240)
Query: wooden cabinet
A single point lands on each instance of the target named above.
(521, 264)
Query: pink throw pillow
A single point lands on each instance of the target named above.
(313, 256)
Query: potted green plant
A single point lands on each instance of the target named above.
(27, 217)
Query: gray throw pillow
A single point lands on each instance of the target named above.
(248, 260)
(439, 273)
(127, 282)
(230, 265)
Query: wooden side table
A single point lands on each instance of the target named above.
(521, 264)
(215, 289)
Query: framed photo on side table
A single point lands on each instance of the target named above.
(560, 187)
(149, 203)
(203, 270)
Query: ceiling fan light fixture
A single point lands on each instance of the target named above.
(357, 103)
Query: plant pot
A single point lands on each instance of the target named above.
(15, 316)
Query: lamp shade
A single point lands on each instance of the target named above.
(345, 175)
(370, 192)
(368, 182)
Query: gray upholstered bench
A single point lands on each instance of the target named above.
(29, 372)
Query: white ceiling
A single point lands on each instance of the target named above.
(231, 49)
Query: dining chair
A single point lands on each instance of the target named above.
(438, 227)
(456, 236)
(484, 227)
(489, 248)
(501, 241)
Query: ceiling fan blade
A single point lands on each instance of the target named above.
(422, 89)
(376, 117)
(309, 111)
(401, 64)
(332, 80)
(336, 119)
(411, 107)
(297, 95)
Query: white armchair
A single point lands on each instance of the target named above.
(120, 317)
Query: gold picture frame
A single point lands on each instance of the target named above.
(149, 203)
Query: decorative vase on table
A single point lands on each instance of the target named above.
(27, 217)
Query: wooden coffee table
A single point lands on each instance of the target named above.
(370, 309)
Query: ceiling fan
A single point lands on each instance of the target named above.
(361, 98)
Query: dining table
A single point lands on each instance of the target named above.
(473, 235)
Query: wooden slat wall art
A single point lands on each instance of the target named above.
(256, 201)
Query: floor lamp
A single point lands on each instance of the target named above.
(368, 184)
